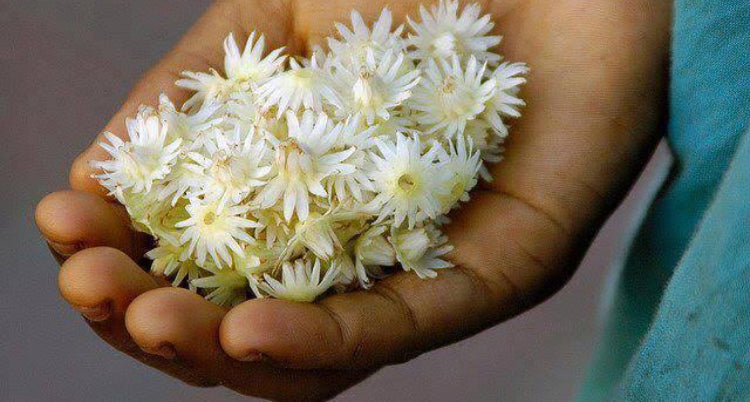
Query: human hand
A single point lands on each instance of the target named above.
(595, 98)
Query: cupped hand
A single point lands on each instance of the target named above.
(595, 99)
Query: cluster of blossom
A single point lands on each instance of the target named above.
(287, 176)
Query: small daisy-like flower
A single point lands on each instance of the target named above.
(420, 251)
(300, 281)
(233, 171)
(250, 65)
(138, 163)
(214, 232)
(167, 261)
(372, 249)
(302, 162)
(228, 286)
(374, 87)
(449, 96)
(443, 33)
(409, 184)
(505, 102)
(299, 87)
(360, 41)
(241, 68)
(463, 163)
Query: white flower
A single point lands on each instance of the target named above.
(240, 68)
(233, 171)
(250, 65)
(372, 249)
(300, 281)
(360, 40)
(228, 286)
(167, 261)
(444, 33)
(214, 232)
(420, 250)
(138, 163)
(303, 162)
(448, 96)
(505, 102)
(409, 184)
(375, 87)
(463, 163)
(301, 86)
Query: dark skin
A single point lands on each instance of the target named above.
(596, 96)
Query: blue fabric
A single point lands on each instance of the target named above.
(709, 111)
(698, 348)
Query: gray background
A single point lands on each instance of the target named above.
(65, 66)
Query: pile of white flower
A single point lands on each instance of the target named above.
(289, 176)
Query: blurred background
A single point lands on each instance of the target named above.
(65, 66)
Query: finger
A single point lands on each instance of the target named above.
(200, 49)
(100, 283)
(73, 220)
(180, 326)
(404, 315)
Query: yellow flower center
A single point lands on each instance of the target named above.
(406, 182)
(209, 218)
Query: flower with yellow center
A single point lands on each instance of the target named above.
(450, 95)
(214, 231)
(408, 184)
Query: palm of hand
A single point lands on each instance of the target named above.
(594, 100)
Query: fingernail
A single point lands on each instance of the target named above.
(96, 313)
(253, 356)
(164, 350)
(65, 250)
